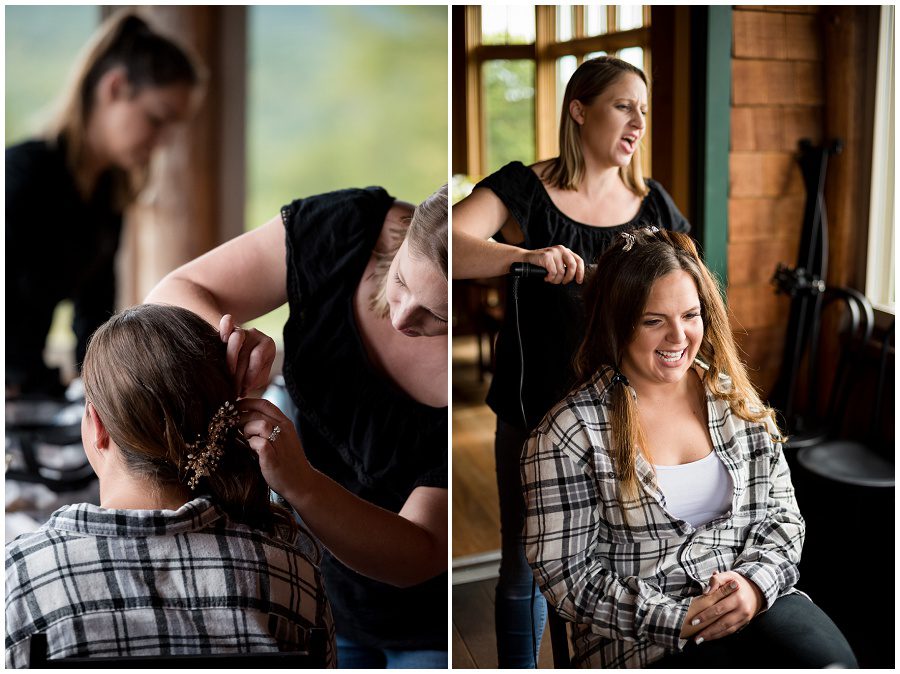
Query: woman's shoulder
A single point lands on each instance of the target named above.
(586, 407)
(34, 156)
(667, 213)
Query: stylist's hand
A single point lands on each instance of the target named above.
(730, 614)
(562, 265)
(281, 457)
(250, 356)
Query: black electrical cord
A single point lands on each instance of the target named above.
(517, 271)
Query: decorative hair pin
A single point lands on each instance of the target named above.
(202, 463)
(631, 239)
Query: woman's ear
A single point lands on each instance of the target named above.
(113, 85)
(97, 429)
(576, 110)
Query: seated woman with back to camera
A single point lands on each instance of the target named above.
(186, 554)
(661, 519)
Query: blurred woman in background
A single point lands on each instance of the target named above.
(66, 191)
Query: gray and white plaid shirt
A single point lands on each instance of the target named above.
(627, 588)
(102, 582)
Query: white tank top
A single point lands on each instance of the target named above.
(696, 492)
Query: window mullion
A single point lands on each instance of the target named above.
(544, 83)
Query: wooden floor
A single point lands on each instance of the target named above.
(476, 518)
(474, 641)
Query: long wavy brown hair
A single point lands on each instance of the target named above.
(615, 299)
(156, 374)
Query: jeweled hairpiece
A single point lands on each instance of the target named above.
(204, 454)
(629, 241)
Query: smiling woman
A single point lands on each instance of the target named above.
(673, 520)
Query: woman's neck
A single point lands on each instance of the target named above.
(93, 162)
(657, 393)
(126, 492)
(599, 181)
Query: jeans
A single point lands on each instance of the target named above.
(793, 633)
(352, 655)
(520, 610)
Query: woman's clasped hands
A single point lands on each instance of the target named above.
(729, 603)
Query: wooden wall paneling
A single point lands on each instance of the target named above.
(754, 262)
(804, 37)
(759, 35)
(774, 128)
(763, 218)
(764, 174)
(756, 307)
(762, 82)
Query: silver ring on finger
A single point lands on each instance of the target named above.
(274, 434)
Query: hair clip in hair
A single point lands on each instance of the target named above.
(204, 462)
(619, 378)
(629, 241)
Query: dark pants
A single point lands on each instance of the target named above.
(794, 633)
(520, 610)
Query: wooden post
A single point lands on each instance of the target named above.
(179, 215)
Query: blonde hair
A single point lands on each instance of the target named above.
(157, 375)
(615, 299)
(124, 40)
(426, 232)
(591, 79)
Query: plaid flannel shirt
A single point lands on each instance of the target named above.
(105, 582)
(627, 588)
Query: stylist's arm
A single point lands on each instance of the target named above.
(401, 549)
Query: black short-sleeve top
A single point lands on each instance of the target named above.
(356, 427)
(551, 321)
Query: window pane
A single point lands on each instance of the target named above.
(565, 67)
(507, 24)
(343, 96)
(508, 112)
(564, 23)
(595, 20)
(594, 54)
(633, 55)
(629, 16)
(42, 43)
(333, 91)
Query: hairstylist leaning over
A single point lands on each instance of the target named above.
(66, 191)
(559, 214)
(365, 277)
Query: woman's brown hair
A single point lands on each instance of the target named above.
(149, 59)
(427, 236)
(615, 300)
(157, 375)
(591, 79)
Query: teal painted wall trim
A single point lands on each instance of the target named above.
(717, 140)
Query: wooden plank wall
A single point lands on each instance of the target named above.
(777, 99)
